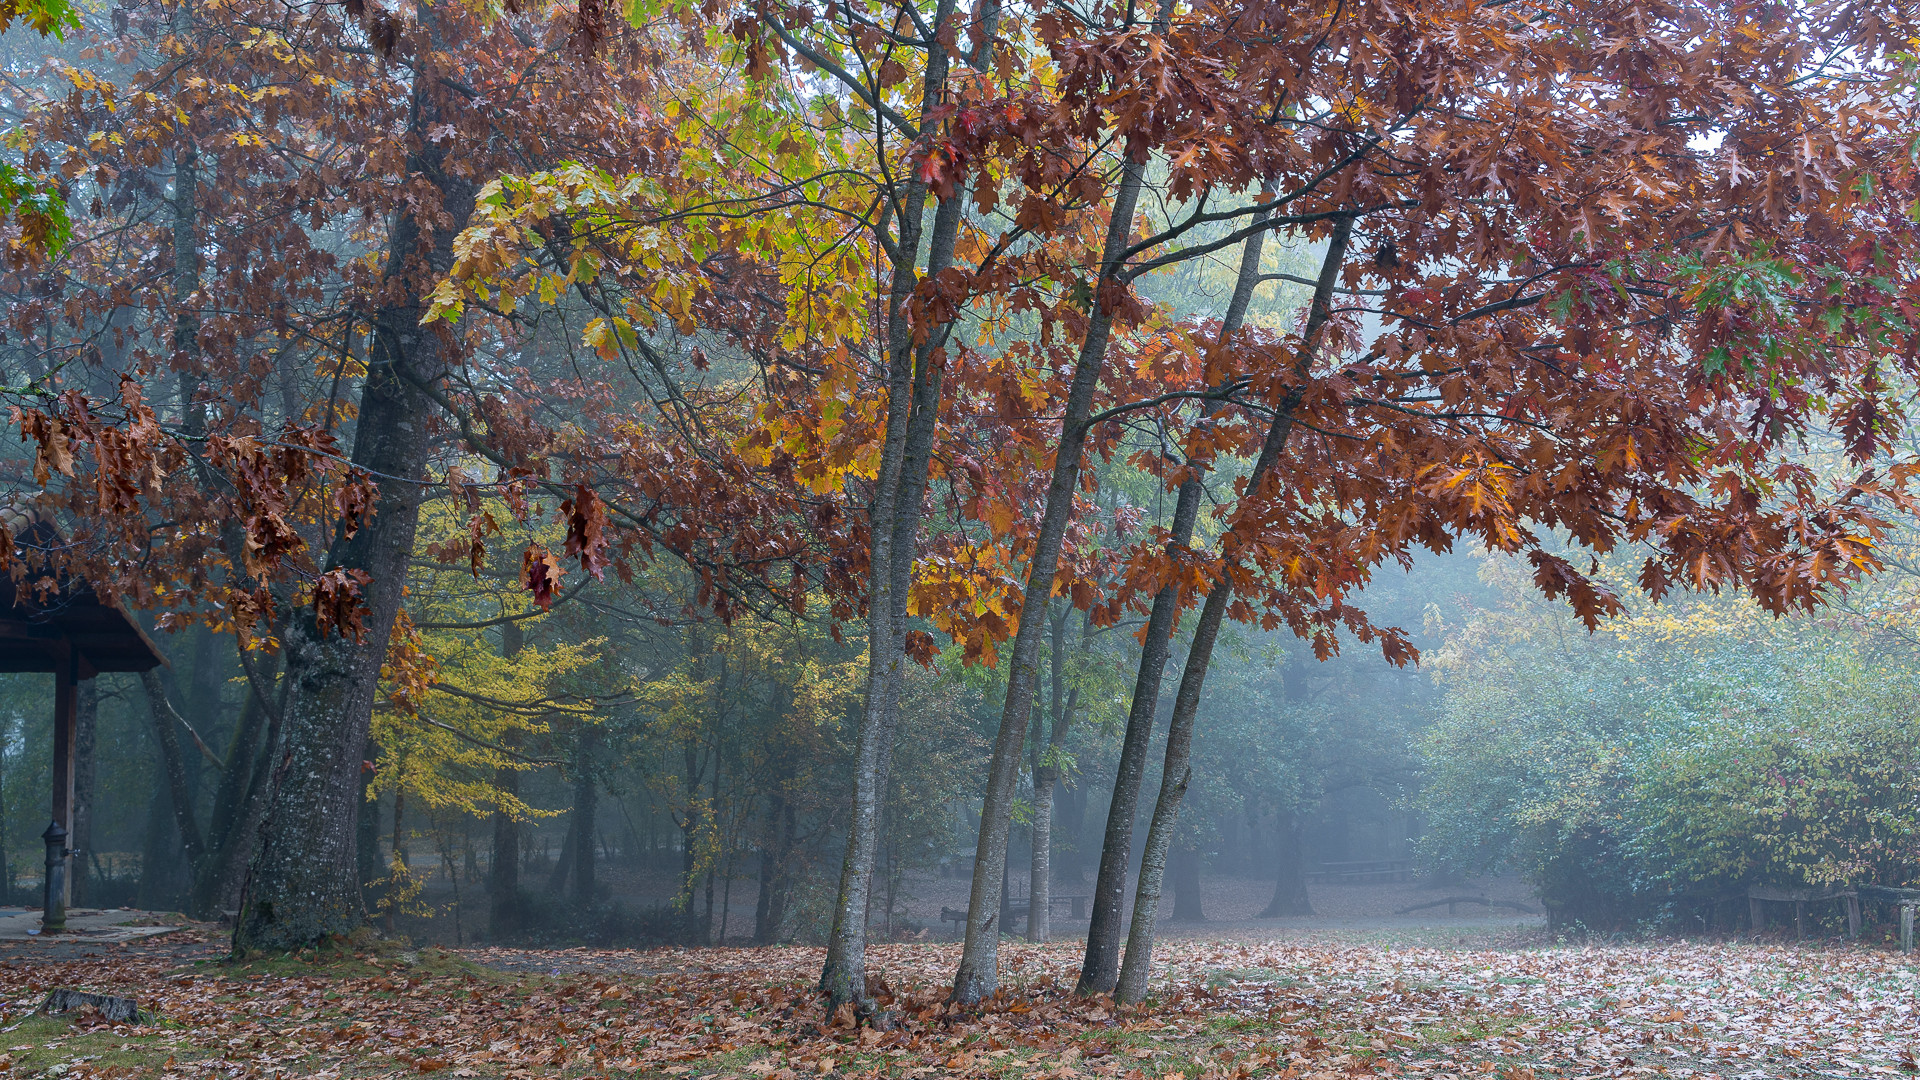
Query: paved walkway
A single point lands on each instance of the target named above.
(85, 924)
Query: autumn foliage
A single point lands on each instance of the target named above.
(851, 312)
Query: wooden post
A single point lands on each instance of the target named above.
(1756, 916)
(1906, 928)
(66, 683)
(1853, 917)
(1800, 920)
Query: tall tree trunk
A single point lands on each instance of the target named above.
(697, 931)
(86, 723)
(302, 887)
(1186, 883)
(1046, 776)
(503, 875)
(913, 390)
(397, 860)
(366, 838)
(1176, 771)
(160, 847)
(173, 761)
(771, 907)
(1289, 870)
(239, 801)
(1100, 968)
(978, 974)
(586, 789)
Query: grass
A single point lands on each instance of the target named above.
(49, 1045)
(357, 957)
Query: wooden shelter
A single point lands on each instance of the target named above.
(56, 623)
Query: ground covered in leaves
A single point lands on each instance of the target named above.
(1225, 1011)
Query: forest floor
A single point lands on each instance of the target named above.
(1499, 1002)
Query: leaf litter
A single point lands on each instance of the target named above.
(1223, 1010)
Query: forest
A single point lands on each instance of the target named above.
(928, 538)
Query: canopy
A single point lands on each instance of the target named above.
(38, 626)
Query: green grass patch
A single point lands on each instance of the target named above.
(361, 955)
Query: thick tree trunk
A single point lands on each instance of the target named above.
(1289, 870)
(303, 887)
(1186, 883)
(1176, 771)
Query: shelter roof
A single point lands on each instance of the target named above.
(42, 616)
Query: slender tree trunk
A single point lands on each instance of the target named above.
(585, 805)
(503, 876)
(366, 839)
(1289, 870)
(397, 856)
(696, 931)
(160, 848)
(1100, 969)
(978, 974)
(1177, 771)
(238, 804)
(302, 888)
(774, 852)
(179, 788)
(1101, 965)
(86, 723)
(1046, 779)
(913, 389)
(563, 866)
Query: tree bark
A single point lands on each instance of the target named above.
(86, 724)
(179, 788)
(978, 974)
(771, 908)
(1100, 968)
(585, 805)
(1289, 870)
(302, 887)
(238, 803)
(1176, 771)
(503, 875)
(1063, 703)
(913, 390)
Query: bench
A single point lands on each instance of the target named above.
(1451, 901)
(1367, 872)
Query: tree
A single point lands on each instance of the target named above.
(1680, 755)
